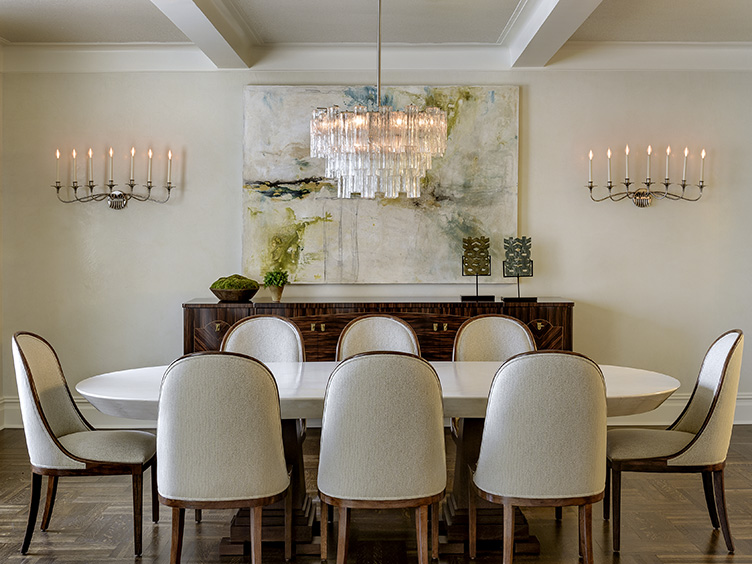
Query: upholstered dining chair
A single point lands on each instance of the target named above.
(492, 337)
(376, 332)
(219, 442)
(268, 338)
(382, 443)
(61, 442)
(544, 442)
(697, 441)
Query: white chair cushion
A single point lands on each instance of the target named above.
(632, 444)
(121, 447)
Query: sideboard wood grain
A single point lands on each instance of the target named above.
(205, 321)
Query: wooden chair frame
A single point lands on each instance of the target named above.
(344, 506)
(712, 474)
(93, 467)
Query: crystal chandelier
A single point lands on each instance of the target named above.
(385, 150)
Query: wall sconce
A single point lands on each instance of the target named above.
(116, 199)
(643, 197)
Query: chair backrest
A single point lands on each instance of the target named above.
(710, 410)
(382, 433)
(492, 338)
(219, 432)
(545, 428)
(47, 407)
(377, 333)
(267, 338)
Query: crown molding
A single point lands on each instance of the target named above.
(573, 56)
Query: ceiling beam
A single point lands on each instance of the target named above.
(220, 34)
(541, 27)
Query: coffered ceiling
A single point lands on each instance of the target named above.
(528, 32)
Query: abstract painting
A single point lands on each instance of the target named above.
(293, 220)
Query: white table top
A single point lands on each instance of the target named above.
(134, 393)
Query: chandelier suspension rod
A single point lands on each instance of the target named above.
(378, 74)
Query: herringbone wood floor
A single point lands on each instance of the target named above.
(664, 521)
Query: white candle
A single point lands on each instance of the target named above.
(626, 161)
(684, 172)
(57, 165)
(133, 154)
(90, 172)
(148, 169)
(608, 154)
(74, 167)
(702, 166)
(590, 167)
(169, 166)
(650, 150)
(668, 152)
(110, 165)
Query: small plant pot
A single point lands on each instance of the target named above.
(276, 292)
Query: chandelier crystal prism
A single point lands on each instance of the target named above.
(385, 150)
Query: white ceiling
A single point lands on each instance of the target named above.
(227, 31)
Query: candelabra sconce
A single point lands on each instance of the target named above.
(476, 261)
(643, 196)
(116, 199)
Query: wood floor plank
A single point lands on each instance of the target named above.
(664, 521)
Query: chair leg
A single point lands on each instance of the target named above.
(508, 534)
(288, 525)
(178, 524)
(421, 529)
(154, 493)
(435, 531)
(197, 515)
(557, 513)
(138, 505)
(472, 519)
(36, 491)
(344, 533)
(50, 502)
(707, 485)
(256, 513)
(586, 532)
(616, 508)
(720, 500)
(607, 493)
(324, 531)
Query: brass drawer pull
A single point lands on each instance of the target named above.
(313, 326)
(435, 326)
(217, 327)
(446, 326)
(323, 326)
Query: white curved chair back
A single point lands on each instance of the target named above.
(267, 338)
(382, 433)
(219, 432)
(377, 333)
(47, 407)
(710, 410)
(492, 338)
(545, 428)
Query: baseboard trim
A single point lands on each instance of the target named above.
(10, 414)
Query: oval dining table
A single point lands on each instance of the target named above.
(134, 394)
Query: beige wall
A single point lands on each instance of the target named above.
(653, 287)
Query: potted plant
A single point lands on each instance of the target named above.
(275, 280)
(235, 288)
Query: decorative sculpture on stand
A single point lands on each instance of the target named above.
(476, 261)
(518, 263)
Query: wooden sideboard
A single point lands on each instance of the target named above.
(205, 321)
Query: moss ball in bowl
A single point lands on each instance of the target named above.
(235, 288)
